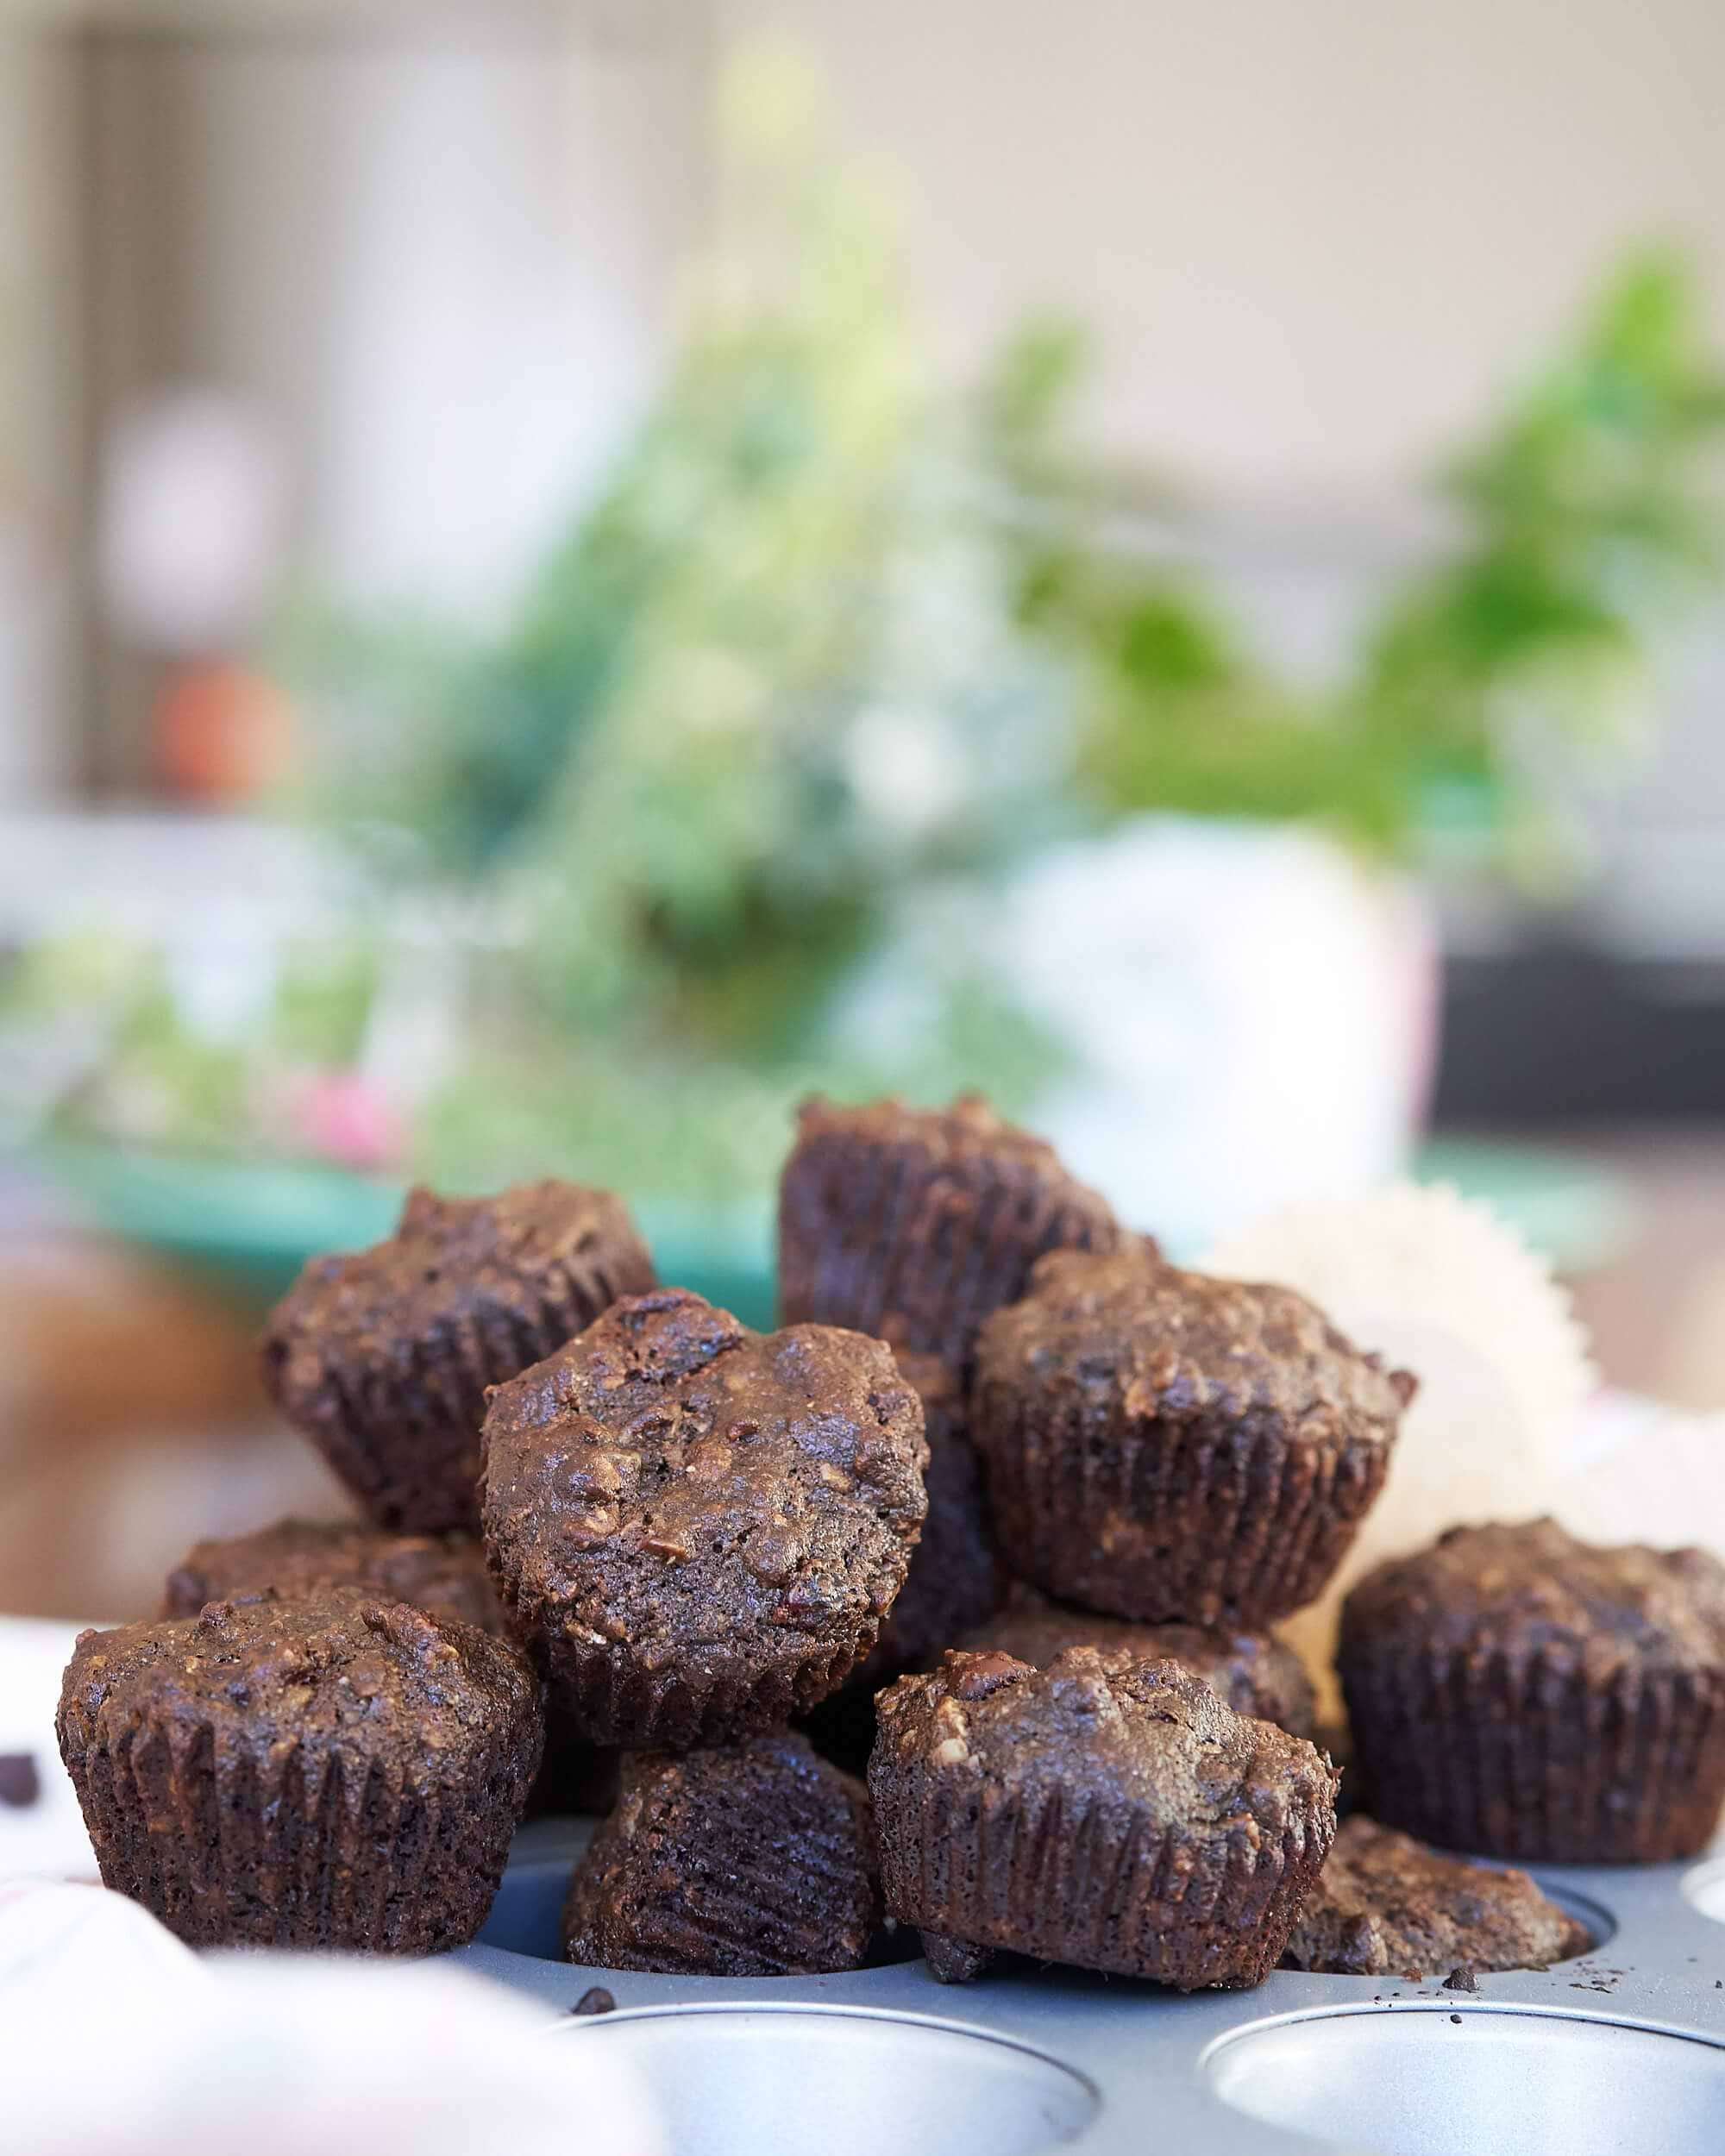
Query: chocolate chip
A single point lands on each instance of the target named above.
(1461, 1978)
(19, 1783)
(594, 2000)
(1456, 2018)
(974, 1676)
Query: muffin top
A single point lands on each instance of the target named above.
(968, 1130)
(444, 1575)
(451, 1262)
(1253, 1672)
(1531, 1589)
(1387, 1903)
(1148, 1736)
(1123, 1327)
(345, 1672)
(670, 1479)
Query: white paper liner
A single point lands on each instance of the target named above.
(1437, 1284)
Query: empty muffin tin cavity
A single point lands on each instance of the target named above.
(1475, 2080)
(739, 2080)
(526, 1917)
(1594, 1917)
(1704, 1888)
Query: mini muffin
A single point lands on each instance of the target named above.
(754, 1859)
(1113, 1814)
(1386, 1904)
(1253, 1672)
(444, 1575)
(954, 1580)
(697, 1529)
(913, 1224)
(1516, 1693)
(341, 1774)
(382, 1358)
(1171, 1448)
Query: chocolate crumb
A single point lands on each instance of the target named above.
(594, 2000)
(1461, 1978)
(1456, 2018)
(19, 1783)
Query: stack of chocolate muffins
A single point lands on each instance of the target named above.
(1008, 1509)
(326, 1740)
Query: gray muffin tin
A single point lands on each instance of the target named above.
(1619, 2051)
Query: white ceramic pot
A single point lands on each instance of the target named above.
(1251, 1013)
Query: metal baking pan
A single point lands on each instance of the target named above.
(1618, 2051)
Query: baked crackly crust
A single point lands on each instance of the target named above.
(382, 1357)
(1517, 1693)
(1167, 1447)
(697, 1529)
(1111, 1815)
(912, 1225)
(343, 1774)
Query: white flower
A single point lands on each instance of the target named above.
(904, 769)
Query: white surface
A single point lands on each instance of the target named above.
(68, 1946)
(45, 1840)
(279, 2055)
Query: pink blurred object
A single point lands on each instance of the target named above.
(340, 1116)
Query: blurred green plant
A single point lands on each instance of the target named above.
(772, 679)
(830, 646)
(1585, 523)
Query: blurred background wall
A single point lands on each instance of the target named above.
(423, 265)
(1311, 240)
(430, 262)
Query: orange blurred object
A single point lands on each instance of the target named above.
(220, 731)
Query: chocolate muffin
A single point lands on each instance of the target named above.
(954, 1580)
(913, 1224)
(382, 1358)
(1171, 1448)
(1516, 1693)
(754, 1859)
(1386, 1904)
(1253, 1672)
(444, 1575)
(343, 1774)
(1113, 1814)
(697, 1529)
